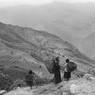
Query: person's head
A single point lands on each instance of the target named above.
(57, 59)
(67, 60)
(30, 72)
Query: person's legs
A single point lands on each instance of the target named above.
(29, 83)
(67, 76)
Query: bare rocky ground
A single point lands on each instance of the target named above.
(80, 86)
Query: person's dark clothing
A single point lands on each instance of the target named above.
(67, 75)
(71, 66)
(29, 80)
(56, 71)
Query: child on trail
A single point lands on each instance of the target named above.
(29, 78)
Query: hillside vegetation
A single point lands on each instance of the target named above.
(22, 49)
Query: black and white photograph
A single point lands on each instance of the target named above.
(47, 47)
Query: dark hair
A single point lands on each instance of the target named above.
(57, 58)
(30, 71)
(67, 60)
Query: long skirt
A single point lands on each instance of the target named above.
(57, 77)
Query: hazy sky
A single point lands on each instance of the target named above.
(4, 3)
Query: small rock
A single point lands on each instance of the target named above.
(88, 76)
(2, 91)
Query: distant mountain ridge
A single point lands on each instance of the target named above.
(89, 46)
(71, 22)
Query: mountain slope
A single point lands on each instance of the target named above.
(71, 22)
(88, 45)
(42, 46)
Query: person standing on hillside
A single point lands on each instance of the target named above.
(29, 78)
(56, 70)
(71, 66)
